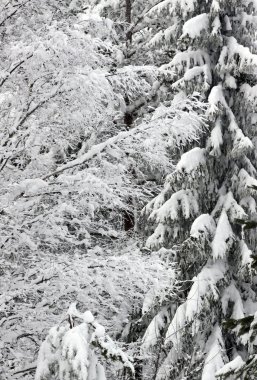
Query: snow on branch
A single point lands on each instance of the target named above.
(203, 289)
(69, 350)
(181, 116)
(195, 26)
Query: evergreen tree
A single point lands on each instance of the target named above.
(204, 213)
(69, 352)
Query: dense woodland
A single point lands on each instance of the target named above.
(128, 189)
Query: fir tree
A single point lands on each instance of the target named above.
(202, 214)
(69, 352)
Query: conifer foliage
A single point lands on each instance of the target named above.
(207, 203)
(100, 101)
(68, 353)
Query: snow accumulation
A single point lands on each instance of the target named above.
(188, 59)
(216, 139)
(241, 144)
(155, 203)
(153, 332)
(216, 26)
(203, 225)
(228, 26)
(233, 209)
(235, 364)
(174, 331)
(31, 186)
(150, 297)
(216, 99)
(166, 4)
(246, 181)
(246, 57)
(197, 71)
(215, 7)
(75, 341)
(183, 200)
(214, 360)
(203, 285)
(88, 317)
(188, 6)
(192, 160)
(249, 203)
(195, 26)
(99, 330)
(230, 82)
(223, 237)
(246, 254)
(157, 238)
(232, 294)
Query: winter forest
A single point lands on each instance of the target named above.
(128, 189)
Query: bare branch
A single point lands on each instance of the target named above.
(13, 13)
(15, 67)
(24, 370)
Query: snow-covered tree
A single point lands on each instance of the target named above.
(140, 28)
(85, 143)
(204, 213)
(69, 351)
(93, 116)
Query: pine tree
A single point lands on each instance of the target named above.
(202, 216)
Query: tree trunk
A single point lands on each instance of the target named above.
(129, 20)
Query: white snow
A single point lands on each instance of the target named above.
(216, 139)
(231, 293)
(228, 26)
(230, 82)
(215, 358)
(216, 26)
(88, 317)
(175, 330)
(216, 99)
(233, 209)
(192, 160)
(153, 332)
(246, 254)
(246, 181)
(157, 238)
(194, 26)
(184, 200)
(99, 330)
(249, 203)
(188, 59)
(241, 143)
(223, 237)
(203, 225)
(30, 186)
(215, 6)
(232, 366)
(204, 285)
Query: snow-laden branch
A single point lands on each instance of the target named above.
(143, 99)
(181, 113)
(94, 151)
(14, 67)
(24, 118)
(11, 14)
